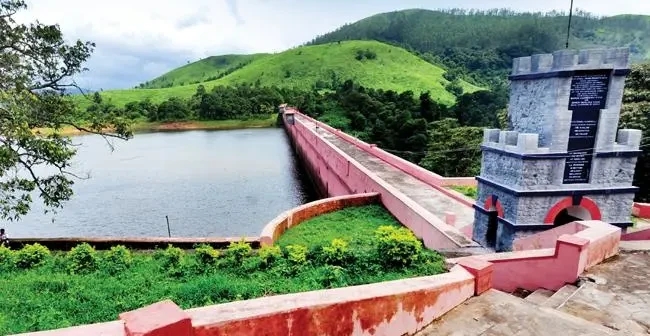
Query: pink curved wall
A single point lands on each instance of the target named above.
(288, 219)
(338, 174)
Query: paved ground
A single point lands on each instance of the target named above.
(613, 299)
(425, 195)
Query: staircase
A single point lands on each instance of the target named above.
(613, 298)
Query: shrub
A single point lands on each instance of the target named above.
(332, 276)
(172, 260)
(337, 252)
(269, 255)
(7, 258)
(296, 255)
(32, 256)
(206, 255)
(397, 247)
(117, 259)
(82, 259)
(237, 251)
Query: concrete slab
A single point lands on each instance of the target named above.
(557, 299)
(635, 245)
(539, 296)
(620, 299)
(498, 313)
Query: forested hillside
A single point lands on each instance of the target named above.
(207, 69)
(480, 45)
(373, 64)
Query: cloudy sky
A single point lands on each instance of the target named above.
(140, 39)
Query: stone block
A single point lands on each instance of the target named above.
(527, 142)
(541, 62)
(521, 65)
(630, 137)
(491, 135)
(481, 270)
(565, 59)
(592, 57)
(619, 57)
(163, 318)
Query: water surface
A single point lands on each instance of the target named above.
(209, 183)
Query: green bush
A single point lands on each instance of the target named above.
(332, 276)
(82, 259)
(32, 256)
(296, 255)
(337, 252)
(397, 247)
(7, 258)
(118, 259)
(206, 255)
(269, 255)
(237, 252)
(172, 260)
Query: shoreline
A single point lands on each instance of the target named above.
(178, 126)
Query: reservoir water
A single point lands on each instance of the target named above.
(209, 183)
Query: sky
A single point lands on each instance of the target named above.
(138, 40)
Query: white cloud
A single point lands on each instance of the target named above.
(140, 39)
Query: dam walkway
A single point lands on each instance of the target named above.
(446, 210)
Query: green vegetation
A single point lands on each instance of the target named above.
(634, 115)
(207, 69)
(41, 290)
(479, 45)
(468, 191)
(320, 67)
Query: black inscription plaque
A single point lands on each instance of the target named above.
(587, 97)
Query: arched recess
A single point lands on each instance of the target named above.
(577, 206)
(495, 210)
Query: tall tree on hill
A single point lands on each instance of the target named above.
(36, 69)
(636, 115)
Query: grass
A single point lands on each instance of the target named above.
(356, 225)
(393, 69)
(200, 71)
(471, 192)
(50, 296)
(147, 126)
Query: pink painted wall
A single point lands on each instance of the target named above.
(342, 175)
(388, 308)
(288, 219)
(637, 235)
(641, 210)
(553, 268)
(424, 175)
(546, 239)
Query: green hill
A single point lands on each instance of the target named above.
(209, 68)
(481, 44)
(369, 63)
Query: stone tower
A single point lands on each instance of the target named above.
(565, 158)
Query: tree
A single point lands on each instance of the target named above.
(36, 69)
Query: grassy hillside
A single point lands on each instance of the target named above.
(481, 45)
(369, 63)
(200, 71)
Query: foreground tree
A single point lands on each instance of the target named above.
(36, 73)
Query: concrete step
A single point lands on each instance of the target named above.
(619, 311)
(559, 297)
(539, 296)
(499, 313)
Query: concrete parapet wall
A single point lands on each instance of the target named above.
(552, 268)
(338, 174)
(546, 239)
(388, 308)
(562, 60)
(424, 175)
(288, 219)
